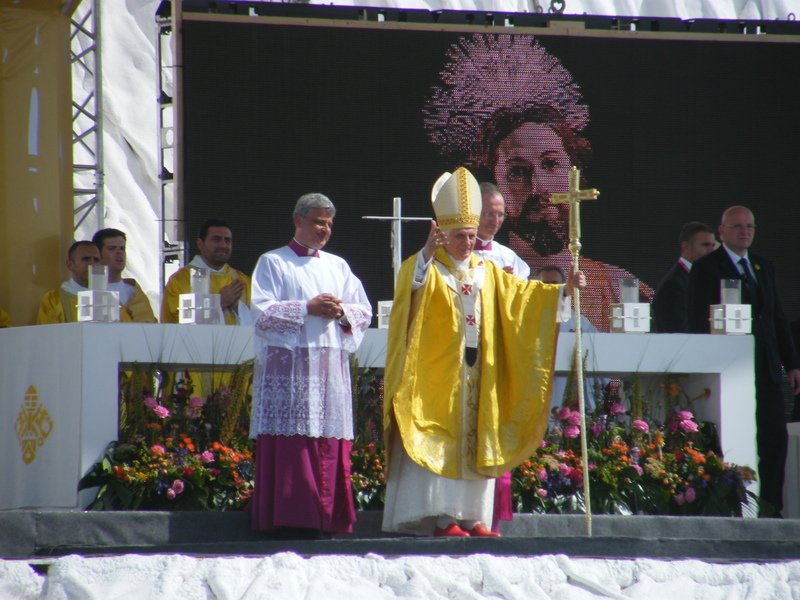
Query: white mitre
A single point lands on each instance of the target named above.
(456, 199)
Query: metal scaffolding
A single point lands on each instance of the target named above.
(87, 110)
(173, 247)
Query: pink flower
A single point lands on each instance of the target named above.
(543, 444)
(161, 412)
(563, 469)
(688, 426)
(564, 413)
(638, 470)
(541, 492)
(158, 449)
(150, 402)
(178, 486)
(616, 409)
(574, 418)
(690, 495)
(597, 429)
(541, 474)
(684, 415)
(572, 431)
(640, 425)
(207, 457)
(196, 402)
(171, 494)
(680, 500)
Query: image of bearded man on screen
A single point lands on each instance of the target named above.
(507, 108)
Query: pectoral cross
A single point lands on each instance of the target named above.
(396, 242)
(575, 196)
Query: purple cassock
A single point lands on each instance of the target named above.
(302, 395)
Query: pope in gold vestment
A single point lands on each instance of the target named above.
(461, 422)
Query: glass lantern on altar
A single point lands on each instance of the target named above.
(200, 306)
(731, 317)
(98, 304)
(630, 315)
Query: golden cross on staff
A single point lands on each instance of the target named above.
(575, 196)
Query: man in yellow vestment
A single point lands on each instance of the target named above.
(215, 245)
(61, 304)
(134, 304)
(468, 373)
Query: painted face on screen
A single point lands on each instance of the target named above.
(217, 246)
(314, 229)
(78, 264)
(460, 242)
(493, 214)
(113, 254)
(531, 163)
(738, 229)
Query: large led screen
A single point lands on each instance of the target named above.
(670, 130)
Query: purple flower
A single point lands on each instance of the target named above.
(574, 418)
(196, 402)
(150, 402)
(690, 495)
(161, 411)
(572, 431)
(638, 469)
(640, 425)
(616, 409)
(679, 499)
(597, 429)
(563, 413)
(207, 457)
(178, 486)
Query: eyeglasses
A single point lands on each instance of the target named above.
(495, 215)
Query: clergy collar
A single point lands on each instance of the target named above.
(483, 244)
(198, 262)
(72, 287)
(302, 250)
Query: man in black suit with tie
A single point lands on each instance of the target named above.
(670, 303)
(774, 347)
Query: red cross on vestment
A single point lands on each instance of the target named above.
(466, 289)
(471, 320)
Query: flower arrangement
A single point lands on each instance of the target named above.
(637, 463)
(644, 458)
(177, 450)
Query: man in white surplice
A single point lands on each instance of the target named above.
(311, 313)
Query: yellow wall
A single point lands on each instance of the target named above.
(36, 221)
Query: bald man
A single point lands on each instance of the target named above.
(774, 348)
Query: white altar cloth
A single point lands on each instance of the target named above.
(74, 370)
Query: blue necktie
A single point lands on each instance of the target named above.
(749, 280)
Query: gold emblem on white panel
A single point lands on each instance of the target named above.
(33, 425)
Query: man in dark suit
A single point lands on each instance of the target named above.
(670, 303)
(774, 347)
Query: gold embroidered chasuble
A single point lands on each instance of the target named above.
(517, 336)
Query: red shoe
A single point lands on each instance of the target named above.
(452, 530)
(480, 530)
